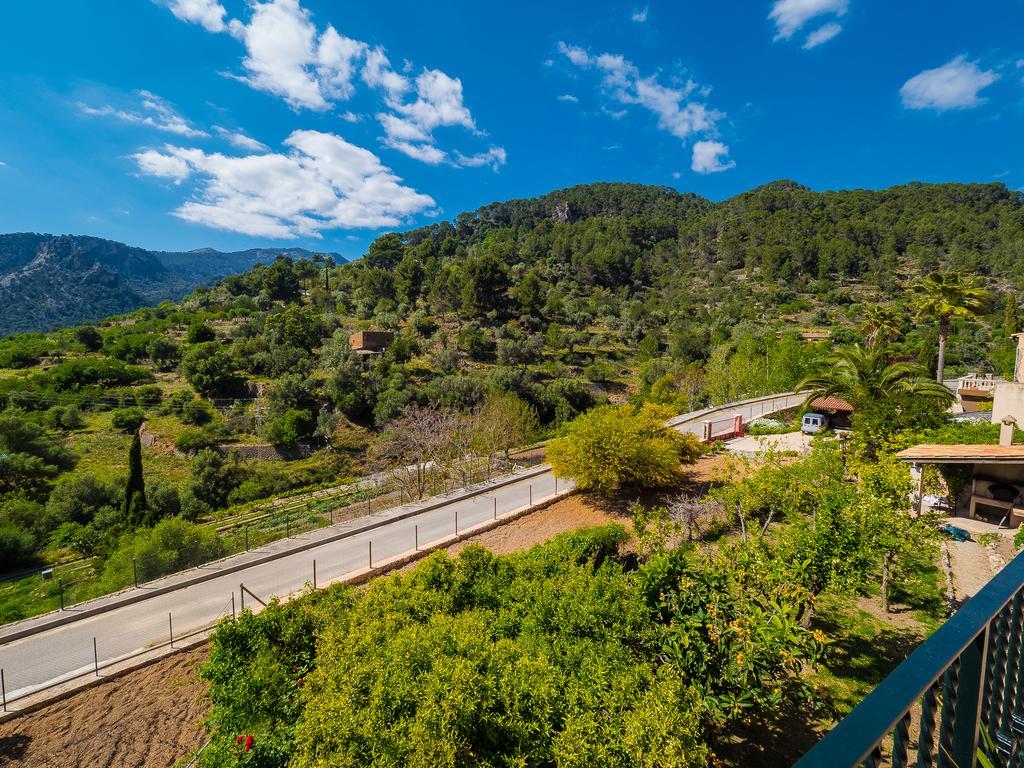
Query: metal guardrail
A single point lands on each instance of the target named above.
(932, 709)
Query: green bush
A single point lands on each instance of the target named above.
(171, 545)
(127, 419)
(17, 547)
(192, 441)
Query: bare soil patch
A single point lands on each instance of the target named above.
(148, 718)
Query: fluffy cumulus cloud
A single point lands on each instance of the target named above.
(711, 157)
(149, 110)
(954, 85)
(286, 55)
(793, 16)
(640, 14)
(209, 14)
(320, 182)
(681, 110)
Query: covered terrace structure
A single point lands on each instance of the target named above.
(994, 489)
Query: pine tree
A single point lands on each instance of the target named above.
(135, 488)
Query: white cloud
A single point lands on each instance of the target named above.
(207, 13)
(640, 14)
(677, 112)
(152, 111)
(351, 117)
(287, 56)
(791, 15)
(711, 157)
(822, 35)
(162, 166)
(240, 140)
(568, 97)
(323, 182)
(954, 85)
(494, 157)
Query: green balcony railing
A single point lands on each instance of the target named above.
(961, 690)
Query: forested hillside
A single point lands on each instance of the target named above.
(532, 309)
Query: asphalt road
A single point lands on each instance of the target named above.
(64, 652)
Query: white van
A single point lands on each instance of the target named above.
(813, 422)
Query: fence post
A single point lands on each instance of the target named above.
(135, 573)
(241, 595)
(314, 574)
(95, 658)
(556, 483)
(331, 513)
(170, 628)
(246, 540)
(495, 507)
(531, 494)
(233, 616)
(3, 689)
(368, 510)
(456, 522)
(60, 586)
(370, 549)
(969, 700)
(417, 529)
(287, 525)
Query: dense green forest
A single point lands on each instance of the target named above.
(536, 309)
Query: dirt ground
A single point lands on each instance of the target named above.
(150, 717)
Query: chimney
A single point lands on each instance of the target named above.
(1006, 430)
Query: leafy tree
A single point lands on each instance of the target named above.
(944, 296)
(30, 460)
(619, 445)
(212, 478)
(290, 427)
(79, 498)
(530, 294)
(280, 281)
(485, 281)
(89, 337)
(199, 332)
(127, 419)
(208, 368)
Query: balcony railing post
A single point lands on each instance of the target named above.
(969, 700)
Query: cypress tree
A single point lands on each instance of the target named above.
(135, 488)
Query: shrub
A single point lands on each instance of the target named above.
(192, 441)
(198, 332)
(17, 547)
(619, 445)
(290, 427)
(127, 419)
(171, 545)
(196, 412)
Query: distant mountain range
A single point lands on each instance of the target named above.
(49, 281)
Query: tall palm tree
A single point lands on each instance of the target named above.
(881, 324)
(865, 379)
(946, 295)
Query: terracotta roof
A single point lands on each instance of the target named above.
(964, 454)
(831, 403)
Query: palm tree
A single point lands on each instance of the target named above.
(947, 295)
(865, 379)
(881, 324)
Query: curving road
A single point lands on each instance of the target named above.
(125, 624)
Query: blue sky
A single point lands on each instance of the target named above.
(178, 124)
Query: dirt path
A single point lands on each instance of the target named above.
(149, 717)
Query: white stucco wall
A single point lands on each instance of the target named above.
(1008, 401)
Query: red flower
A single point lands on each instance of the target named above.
(239, 739)
(299, 682)
(248, 743)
